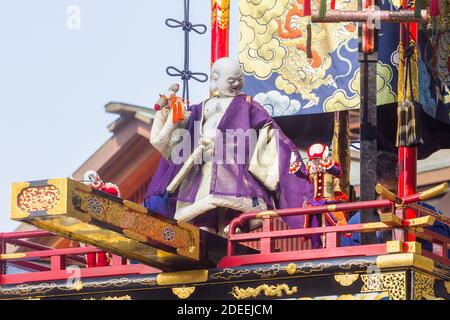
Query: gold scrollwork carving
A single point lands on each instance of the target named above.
(291, 268)
(127, 297)
(228, 273)
(346, 280)
(393, 282)
(221, 13)
(183, 292)
(423, 286)
(41, 198)
(355, 263)
(309, 267)
(269, 272)
(270, 291)
(44, 288)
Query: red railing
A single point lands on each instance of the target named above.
(42, 263)
(394, 221)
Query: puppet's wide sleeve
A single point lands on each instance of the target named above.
(163, 135)
(264, 160)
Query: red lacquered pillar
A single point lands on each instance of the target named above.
(220, 26)
(407, 156)
(407, 175)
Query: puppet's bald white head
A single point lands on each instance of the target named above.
(227, 79)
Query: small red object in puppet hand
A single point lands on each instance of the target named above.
(172, 101)
(93, 180)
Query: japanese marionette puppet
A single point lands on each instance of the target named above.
(324, 173)
(92, 179)
(209, 191)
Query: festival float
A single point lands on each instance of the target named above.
(279, 218)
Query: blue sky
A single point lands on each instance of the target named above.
(54, 81)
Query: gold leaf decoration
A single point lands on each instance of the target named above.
(346, 280)
(183, 292)
(270, 291)
(394, 283)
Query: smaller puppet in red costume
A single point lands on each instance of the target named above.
(324, 173)
(92, 179)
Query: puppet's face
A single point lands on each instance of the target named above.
(227, 79)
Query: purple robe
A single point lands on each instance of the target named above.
(232, 179)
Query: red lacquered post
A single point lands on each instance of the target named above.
(407, 174)
(407, 156)
(220, 26)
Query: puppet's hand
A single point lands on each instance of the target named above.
(326, 163)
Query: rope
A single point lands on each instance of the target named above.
(185, 74)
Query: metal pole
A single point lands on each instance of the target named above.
(368, 58)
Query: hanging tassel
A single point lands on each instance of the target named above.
(308, 41)
(434, 8)
(176, 104)
(418, 9)
(322, 8)
(307, 8)
(409, 131)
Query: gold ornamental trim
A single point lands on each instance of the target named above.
(193, 249)
(433, 192)
(331, 207)
(221, 14)
(171, 278)
(387, 194)
(46, 288)
(11, 256)
(16, 212)
(269, 291)
(266, 214)
(229, 273)
(405, 260)
(425, 221)
(291, 268)
(423, 286)
(134, 206)
(126, 297)
(346, 280)
(447, 286)
(390, 219)
(183, 292)
(397, 246)
(393, 282)
(135, 236)
(68, 208)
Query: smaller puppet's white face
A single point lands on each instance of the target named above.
(227, 79)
